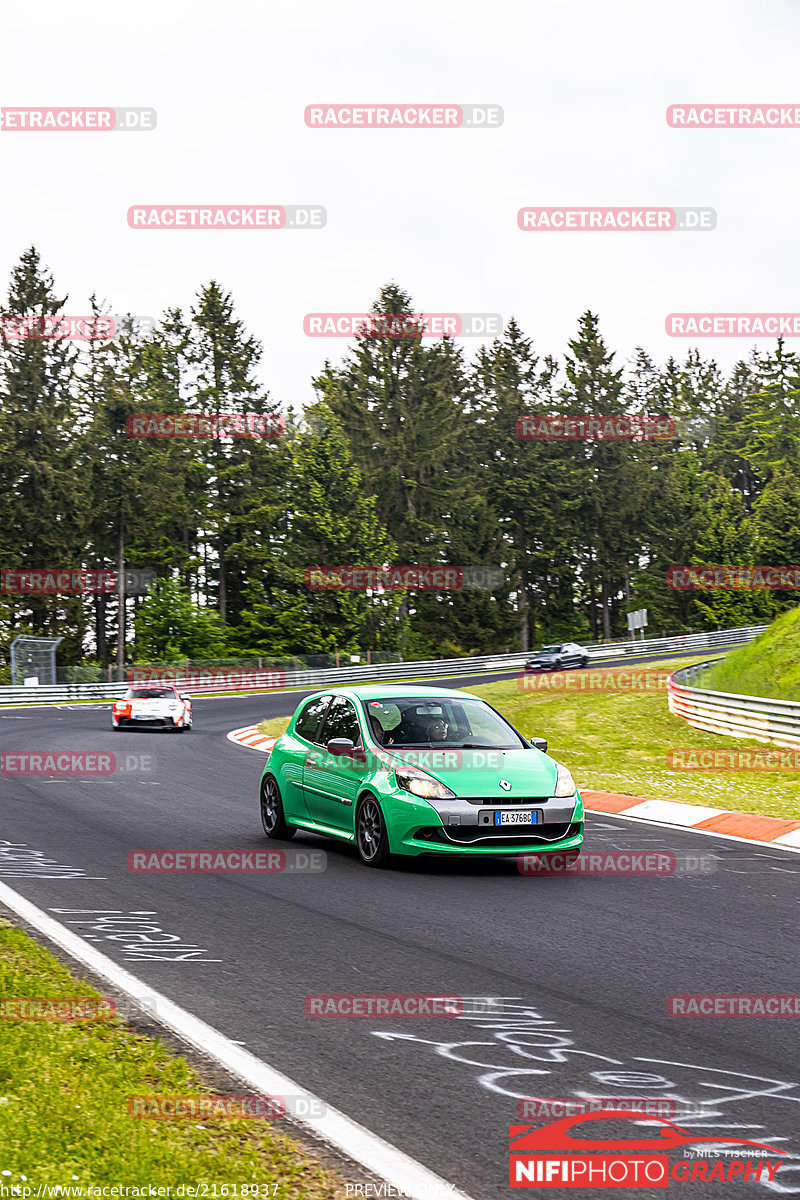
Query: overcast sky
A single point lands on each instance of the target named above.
(584, 87)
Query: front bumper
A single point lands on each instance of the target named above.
(165, 722)
(467, 828)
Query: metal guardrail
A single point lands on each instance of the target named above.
(231, 681)
(762, 718)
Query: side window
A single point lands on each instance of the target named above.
(309, 719)
(341, 722)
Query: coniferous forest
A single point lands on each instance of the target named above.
(410, 455)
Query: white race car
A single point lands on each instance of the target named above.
(153, 704)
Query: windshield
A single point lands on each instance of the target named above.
(150, 694)
(550, 649)
(426, 721)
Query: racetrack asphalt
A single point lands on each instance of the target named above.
(583, 964)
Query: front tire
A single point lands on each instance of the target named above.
(273, 819)
(372, 840)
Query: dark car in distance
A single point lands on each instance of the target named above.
(558, 657)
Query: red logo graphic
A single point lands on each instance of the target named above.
(622, 1162)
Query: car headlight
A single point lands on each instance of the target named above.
(420, 783)
(565, 784)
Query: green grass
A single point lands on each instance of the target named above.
(618, 742)
(63, 1102)
(769, 666)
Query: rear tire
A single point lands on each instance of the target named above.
(372, 840)
(584, 663)
(273, 819)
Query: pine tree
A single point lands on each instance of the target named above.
(532, 485)
(224, 359)
(43, 501)
(612, 479)
(327, 521)
(726, 538)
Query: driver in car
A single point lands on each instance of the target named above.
(436, 728)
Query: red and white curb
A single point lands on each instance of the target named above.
(721, 822)
(739, 826)
(249, 736)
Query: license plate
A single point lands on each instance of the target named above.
(516, 818)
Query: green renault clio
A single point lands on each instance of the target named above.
(412, 770)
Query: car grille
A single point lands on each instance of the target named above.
(505, 801)
(537, 835)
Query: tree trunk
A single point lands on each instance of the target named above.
(100, 627)
(524, 629)
(121, 595)
(606, 610)
(223, 591)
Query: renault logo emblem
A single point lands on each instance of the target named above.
(505, 785)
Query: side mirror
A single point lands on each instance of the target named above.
(539, 744)
(340, 747)
(185, 696)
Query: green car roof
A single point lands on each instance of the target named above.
(386, 691)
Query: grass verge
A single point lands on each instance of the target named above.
(617, 741)
(769, 666)
(64, 1088)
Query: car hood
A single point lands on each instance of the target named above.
(477, 773)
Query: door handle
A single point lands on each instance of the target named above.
(312, 761)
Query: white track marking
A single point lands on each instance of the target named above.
(359, 1144)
